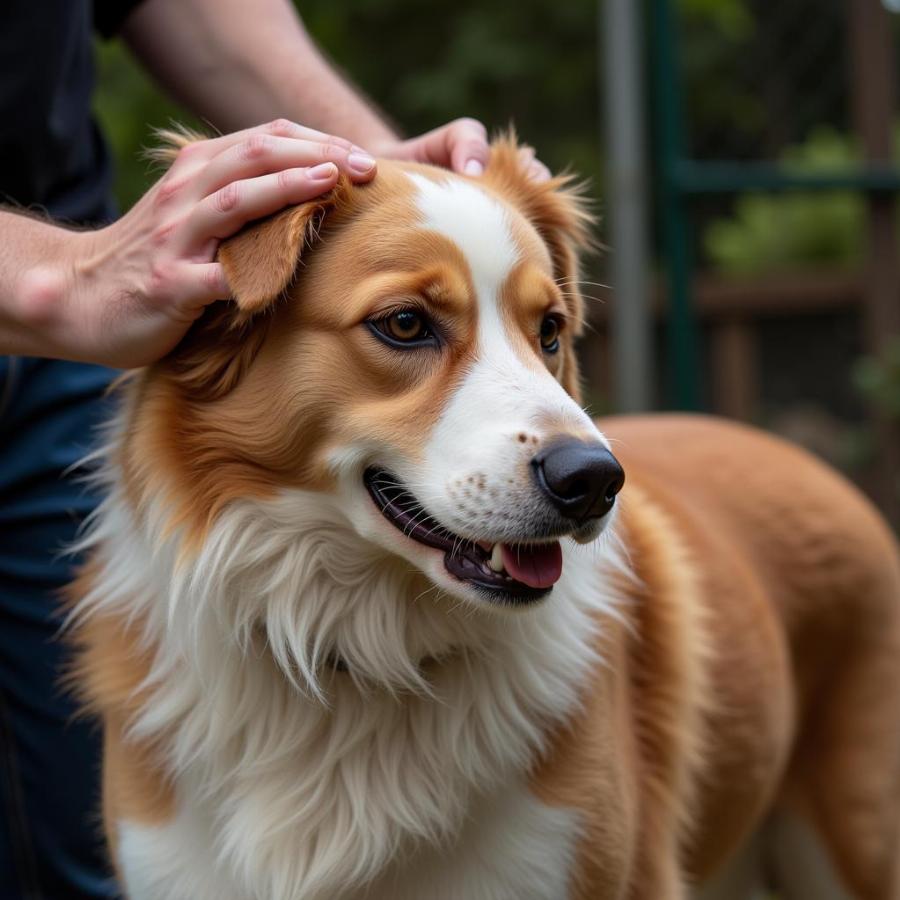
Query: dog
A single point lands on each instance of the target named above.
(374, 610)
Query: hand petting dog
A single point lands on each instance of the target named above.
(461, 146)
(125, 295)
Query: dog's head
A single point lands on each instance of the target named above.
(406, 348)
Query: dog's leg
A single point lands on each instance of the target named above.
(839, 823)
(657, 873)
(800, 861)
(741, 878)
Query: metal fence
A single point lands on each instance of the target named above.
(733, 89)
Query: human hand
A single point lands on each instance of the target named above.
(138, 284)
(461, 145)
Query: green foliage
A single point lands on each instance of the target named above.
(529, 63)
(808, 230)
(771, 232)
(878, 378)
(719, 99)
(731, 19)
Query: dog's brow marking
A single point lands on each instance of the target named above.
(478, 225)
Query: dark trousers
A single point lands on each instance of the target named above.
(51, 846)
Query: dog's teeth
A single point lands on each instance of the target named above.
(496, 560)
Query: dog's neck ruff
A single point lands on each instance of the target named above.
(309, 779)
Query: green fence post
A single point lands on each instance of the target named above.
(682, 330)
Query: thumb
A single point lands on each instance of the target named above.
(468, 145)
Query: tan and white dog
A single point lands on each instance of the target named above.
(365, 618)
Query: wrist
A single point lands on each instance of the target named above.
(42, 286)
(44, 293)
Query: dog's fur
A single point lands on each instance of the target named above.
(300, 703)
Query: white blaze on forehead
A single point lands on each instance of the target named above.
(478, 224)
(503, 393)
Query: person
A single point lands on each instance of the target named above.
(82, 291)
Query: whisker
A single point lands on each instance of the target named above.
(585, 296)
(424, 593)
(415, 522)
(570, 281)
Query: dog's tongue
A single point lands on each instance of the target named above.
(538, 566)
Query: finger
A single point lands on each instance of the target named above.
(537, 171)
(201, 284)
(449, 146)
(261, 154)
(285, 128)
(469, 150)
(227, 210)
(526, 156)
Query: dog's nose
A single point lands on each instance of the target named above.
(581, 480)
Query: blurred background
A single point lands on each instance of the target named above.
(743, 161)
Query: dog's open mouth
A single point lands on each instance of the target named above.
(517, 573)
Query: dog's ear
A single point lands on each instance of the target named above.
(260, 260)
(559, 211)
(557, 208)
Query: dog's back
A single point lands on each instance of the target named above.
(800, 583)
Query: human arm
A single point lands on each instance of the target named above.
(237, 62)
(124, 295)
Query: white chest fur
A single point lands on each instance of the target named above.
(293, 785)
(511, 848)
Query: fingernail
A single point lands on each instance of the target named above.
(323, 172)
(473, 167)
(361, 163)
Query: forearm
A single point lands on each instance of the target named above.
(36, 279)
(124, 295)
(238, 63)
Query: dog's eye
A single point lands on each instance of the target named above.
(550, 334)
(405, 328)
(405, 325)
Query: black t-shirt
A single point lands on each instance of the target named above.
(52, 156)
